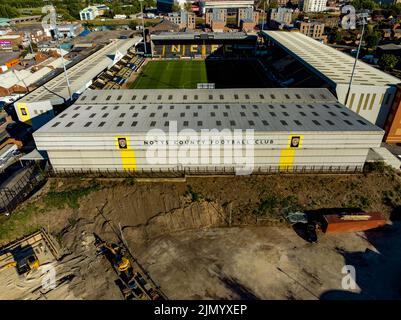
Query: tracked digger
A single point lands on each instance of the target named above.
(24, 265)
(116, 255)
(131, 283)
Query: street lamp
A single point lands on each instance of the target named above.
(53, 24)
(143, 28)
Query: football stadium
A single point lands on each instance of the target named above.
(188, 102)
(184, 60)
(190, 130)
(187, 74)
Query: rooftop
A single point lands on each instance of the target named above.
(255, 95)
(390, 46)
(279, 115)
(80, 74)
(8, 56)
(199, 35)
(251, 2)
(23, 78)
(334, 65)
(10, 36)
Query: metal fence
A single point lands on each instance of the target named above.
(35, 177)
(188, 171)
(32, 179)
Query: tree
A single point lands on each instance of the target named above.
(273, 4)
(188, 6)
(175, 8)
(388, 61)
(262, 4)
(372, 39)
(108, 14)
(365, 4)
(7, 11)
(132, 24)
(338, 37)
(150, 3)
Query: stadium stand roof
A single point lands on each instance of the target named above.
(119, 115)
(252, 95)
(332, 64)
(80, 74)
(200, 35)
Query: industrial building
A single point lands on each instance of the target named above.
(36, 108)
(225, 4)
(290, 129)
(372, 91)
(91, 12)
(184, 19)
(314, 5)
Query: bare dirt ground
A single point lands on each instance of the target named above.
(273, 263)
(217, 237)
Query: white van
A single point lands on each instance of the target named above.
(7, 152)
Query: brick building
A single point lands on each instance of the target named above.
(216, 19)
(247, 19)
(312, 29)
(184, 19)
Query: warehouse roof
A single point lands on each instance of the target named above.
(237, 3)
(334, 65)
(80, 74)
(256, 95)
(200, 35)
(264, 116)
(23, 78)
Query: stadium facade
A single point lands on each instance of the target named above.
(169, 130)
(202, 45)
(372, 91)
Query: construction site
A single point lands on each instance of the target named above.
(194, 238)
(35, 267)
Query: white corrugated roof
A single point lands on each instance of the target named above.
(335, 65)
(80, 74)
(22, 77)
(285, 113)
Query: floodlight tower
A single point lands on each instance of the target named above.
(143, 28)
(363, 21)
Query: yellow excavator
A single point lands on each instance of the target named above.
(131, 283)
(26, 265)
(115, 255)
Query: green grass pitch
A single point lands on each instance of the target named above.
(186, 74)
